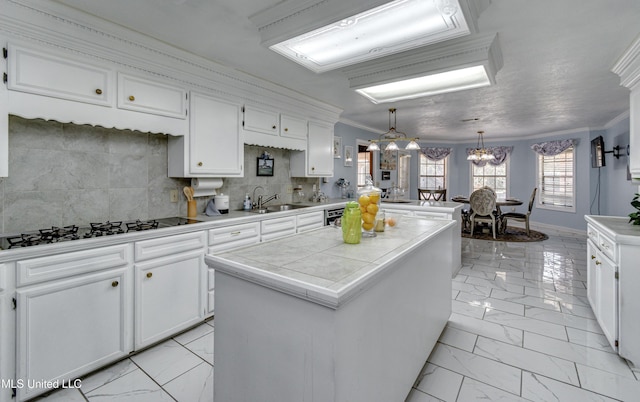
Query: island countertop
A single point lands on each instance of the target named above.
(319, 267)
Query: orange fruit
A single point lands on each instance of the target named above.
(374, 198)
(367, 226)
(391, 222)
(372, 209)
(363, 200)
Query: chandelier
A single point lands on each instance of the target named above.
(392, 136)
(480, 153)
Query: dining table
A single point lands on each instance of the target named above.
(500, 202)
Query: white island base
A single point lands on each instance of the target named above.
(286, 334)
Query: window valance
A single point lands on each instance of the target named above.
(553, 148)
(500, 153)
(436, 153)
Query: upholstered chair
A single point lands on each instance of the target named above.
(483, 205)
(520, 217)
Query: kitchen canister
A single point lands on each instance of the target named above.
(369, 201)
(350, 222)
(222, 203)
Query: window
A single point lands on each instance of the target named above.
(364, 164)
(433, 174)
(491, 176)
(556, 181)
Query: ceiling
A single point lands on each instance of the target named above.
(556, 75)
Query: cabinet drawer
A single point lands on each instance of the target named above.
(592, 234)
(164, 246)
(47, 268)
(310, 220)
(432, 215)
(279, 227)
(147, 96)
(226, 238)
(40, 72)
(608, 247)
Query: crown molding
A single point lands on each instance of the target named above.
(627, 67)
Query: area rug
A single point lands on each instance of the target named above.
(511, 234)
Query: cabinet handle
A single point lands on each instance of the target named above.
(199, 163)
(593, 257)
(605, 246)
(115, 284)
(132, 98)
(235, 233)
(598, 262)
(99, 91)
(149, 274)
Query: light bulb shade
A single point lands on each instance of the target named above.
(412, 146)
(373, 147)
(392, 146)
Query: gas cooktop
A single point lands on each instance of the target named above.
(59, 234)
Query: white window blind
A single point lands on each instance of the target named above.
(556, 180)
(491, 176)
(433, 174)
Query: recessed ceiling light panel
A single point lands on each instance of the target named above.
(391, 28)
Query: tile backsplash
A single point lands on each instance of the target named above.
(62, 174)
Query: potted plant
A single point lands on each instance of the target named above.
(635, 216)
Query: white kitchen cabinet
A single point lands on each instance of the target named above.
(70, 327)
(42, 72)
(214, 146)
(627, 67)
(293, 127)
(169, 286)
(272, 129)
(230, 237)
(317, 159)
(309, 221)
(613, 278)
(277, 227)
(148, 96)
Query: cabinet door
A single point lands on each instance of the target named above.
(320, 150)
(169, 296)
(607, 304)
(259, 120)
(634, 134)
(70, 327)
(147, 96)
(592, 287)
(59, 76)
(215, 145)
(293, 127)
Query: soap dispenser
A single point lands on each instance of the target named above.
(247, 203)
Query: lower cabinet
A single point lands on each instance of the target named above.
(69, 327)
(170, 289)
(602, 292)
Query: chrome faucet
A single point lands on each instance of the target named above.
(254, 195)
(261, 201)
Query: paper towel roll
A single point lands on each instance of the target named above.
(205, 187)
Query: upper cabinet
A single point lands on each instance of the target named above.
(214, 146)
(317, 159)
(40, 72)
(628, 68)
(273, 129)
(147, 96)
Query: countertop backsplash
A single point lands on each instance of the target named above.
(63, 173)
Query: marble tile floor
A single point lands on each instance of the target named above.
(521, 330)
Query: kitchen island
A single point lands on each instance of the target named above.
(310, 318)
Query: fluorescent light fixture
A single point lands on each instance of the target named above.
(450, 81)
(387, 29)
(455, 65)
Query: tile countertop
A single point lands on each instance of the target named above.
(318, 266)
(617, 227)
(448, 206)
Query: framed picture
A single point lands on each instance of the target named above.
(337, 147)
(348, 155)
(388, 160)
(264, 167)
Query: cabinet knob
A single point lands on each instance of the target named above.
(115, 283)
(313, 168)
(273, 127)
(199, 163)
(149, 274)
(593, 257)
(286, 129)
(99, 91)
(132, 98)
(598, 262)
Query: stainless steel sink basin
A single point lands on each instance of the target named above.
(276, 208)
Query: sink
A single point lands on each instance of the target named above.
(276, 208)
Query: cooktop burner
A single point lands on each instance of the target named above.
(73, 232)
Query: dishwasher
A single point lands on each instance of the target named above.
(331, 215)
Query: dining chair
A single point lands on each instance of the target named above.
(483, 204)
(436, 195)
(520, 217)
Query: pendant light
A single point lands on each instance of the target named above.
(392, 136)
(480, 153)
